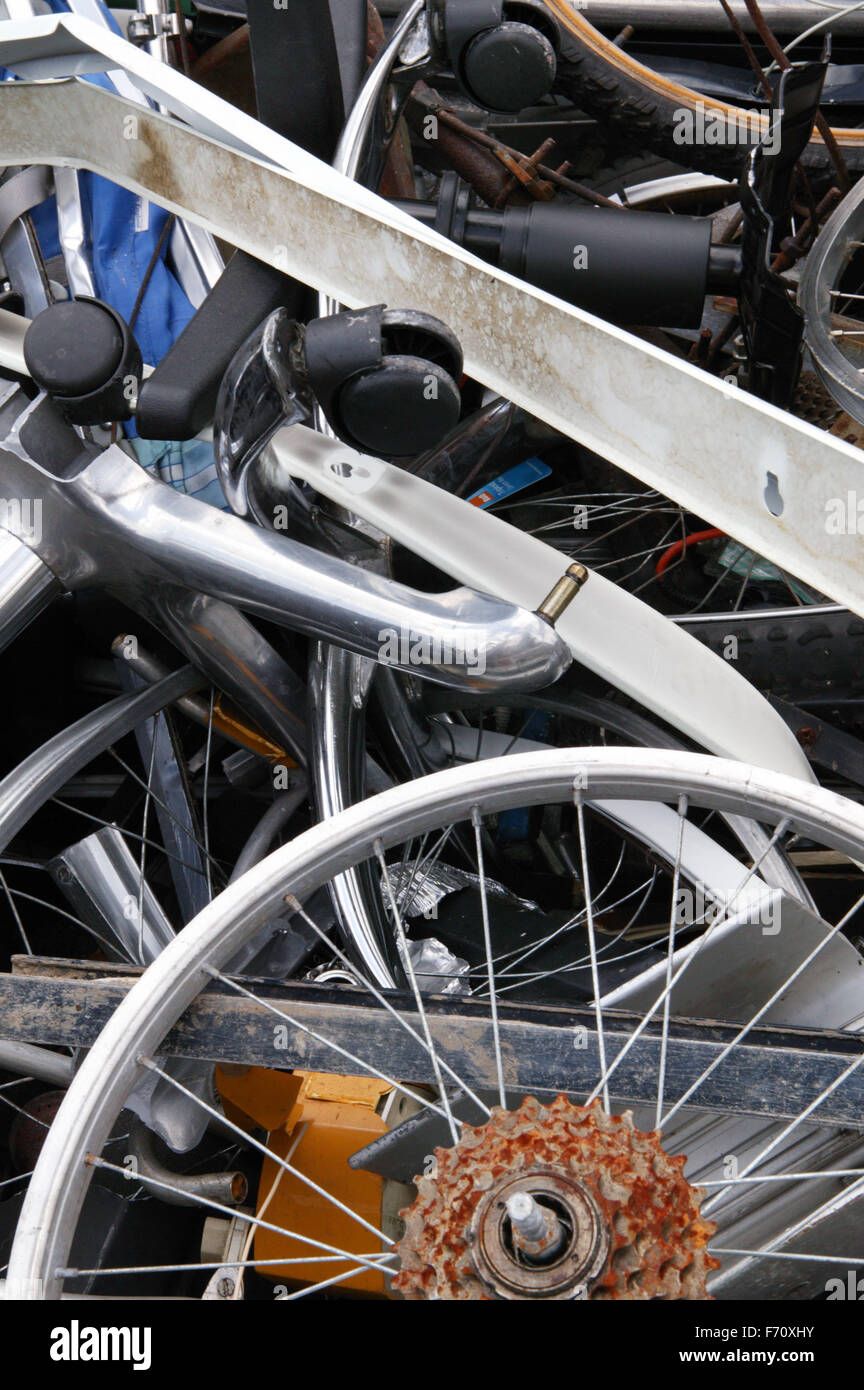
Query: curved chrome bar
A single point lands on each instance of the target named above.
(25, 1059)
(41, 774)
(608, 629)
(111, 524)
(337, 749)
(27, 586)
(181, 1189)
(352, 141)
(228, 648)
(277, 815)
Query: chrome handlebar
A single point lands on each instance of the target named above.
(106, 522)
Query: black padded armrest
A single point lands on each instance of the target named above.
(179, 398)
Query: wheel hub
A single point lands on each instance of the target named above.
(571, 1250)
(556, 1202)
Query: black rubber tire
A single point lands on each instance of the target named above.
(641, 107)
(799, 656)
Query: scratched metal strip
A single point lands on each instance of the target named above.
(607, 629)
(718, 452)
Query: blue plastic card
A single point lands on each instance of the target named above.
(514, 480)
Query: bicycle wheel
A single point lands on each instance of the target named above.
(780, 1207)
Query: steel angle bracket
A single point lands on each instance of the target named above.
(750, 469)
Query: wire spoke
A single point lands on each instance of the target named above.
(26, 1113)
(415, 988)
(163, 806)
(592, 944)
(383, 1000)
(584, 962)
(337, 1279)
(205, 820)
(126, 832)
(262, 1148)
(328, 1042)
(94, 1161)
(19, 1177)
(792, 1125)
(850, 1261)
(760, 1013)
(145, 816)
(15, 913)
(72, 1272)
(719, 920)
(477, 822)
(725, 1183)
(670, 953)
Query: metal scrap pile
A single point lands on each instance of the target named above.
(431, 615)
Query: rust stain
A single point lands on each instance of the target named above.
(657, 1238)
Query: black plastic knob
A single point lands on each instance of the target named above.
(83, 355)
(386, 379)
(400, 409)
(509, 67)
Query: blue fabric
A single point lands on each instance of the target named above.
(186, 465)
(123, 233)
(44, 219)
